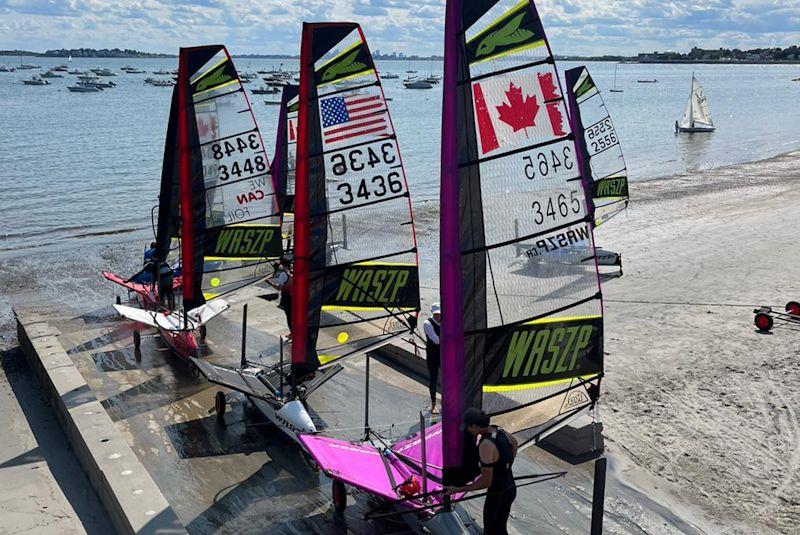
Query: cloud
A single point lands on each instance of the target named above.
(410, 26)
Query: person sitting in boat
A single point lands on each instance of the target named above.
(166, 295)
(150, 253)
(497, 450)
(432, 328)
(283, 283)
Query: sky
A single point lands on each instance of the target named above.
(588, 27)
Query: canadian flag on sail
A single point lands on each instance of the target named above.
(514, 112)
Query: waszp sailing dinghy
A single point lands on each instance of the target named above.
(356, 280)
(220, 197)
(526, 350)
(599, 147)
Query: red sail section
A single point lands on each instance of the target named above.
(302, 252)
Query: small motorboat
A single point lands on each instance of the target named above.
(417, 84)
(86, 88)
(3, 68)
(652, 81)
(162, 83)
(51, 74)
(266, 90)
(60, 68)
(76, 72)
(35, 81)
(390, 76)
(104, 72)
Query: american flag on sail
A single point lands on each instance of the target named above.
(349, 117)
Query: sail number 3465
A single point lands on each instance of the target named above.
(543, 163)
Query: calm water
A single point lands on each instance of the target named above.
(79, 165)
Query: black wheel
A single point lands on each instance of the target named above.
(220, 404)
(137, 339)
(763, 322)
(339, 497)
(119, 300)
(202, 332)
(793, 308)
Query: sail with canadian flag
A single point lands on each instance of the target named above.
(522, 322)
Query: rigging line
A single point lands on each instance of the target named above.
(535, 146)
(238, 180)
(684, 303)
(494, 287)
(612, 174)
(368, 516)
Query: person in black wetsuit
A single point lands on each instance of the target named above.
(432, 328)
(497, 450)
(166, 294)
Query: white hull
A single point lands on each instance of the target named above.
(292, 418)
(696, 129)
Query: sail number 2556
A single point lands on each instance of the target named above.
(543, 163)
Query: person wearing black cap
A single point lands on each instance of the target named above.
(497, 450)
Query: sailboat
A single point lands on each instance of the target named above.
(696, 114)
(216, 196)
(599, 148)
(615, 89)
(527, 351)
(356, 278)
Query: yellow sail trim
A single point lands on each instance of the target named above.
(515, 388)
(241, 258)
(349, 77)
(337, 308)
(524, 46)
(339, 55)
(561, 319)
(409, 264)
(215, 88)
(200, 75)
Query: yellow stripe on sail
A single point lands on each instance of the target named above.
(198, 75)
(216, 87)
(324, 359)
(515, 388)
(560, 319)
(339, 55)
(525, 46)
(348, 77)
(375, 263)
(337, 308)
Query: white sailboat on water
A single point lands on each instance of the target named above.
(696, 115)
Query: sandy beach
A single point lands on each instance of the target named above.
(700, 411)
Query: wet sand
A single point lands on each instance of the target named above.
(699, 410)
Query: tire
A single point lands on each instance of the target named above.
(339, 493)
(793, 308)
(137, 339)
(763, 322)
(118, 300)
(202, 332)
(220, 404)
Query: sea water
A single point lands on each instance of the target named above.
(86, 166)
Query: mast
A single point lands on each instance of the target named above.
(302, 250)
(691, 103)
(184, 181)
(452, 341)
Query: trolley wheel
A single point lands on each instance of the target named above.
(763, 322)
(793, 308)
(220, 404)
(202, 332)
(339, 496)
(119, 300)
(137, 339)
